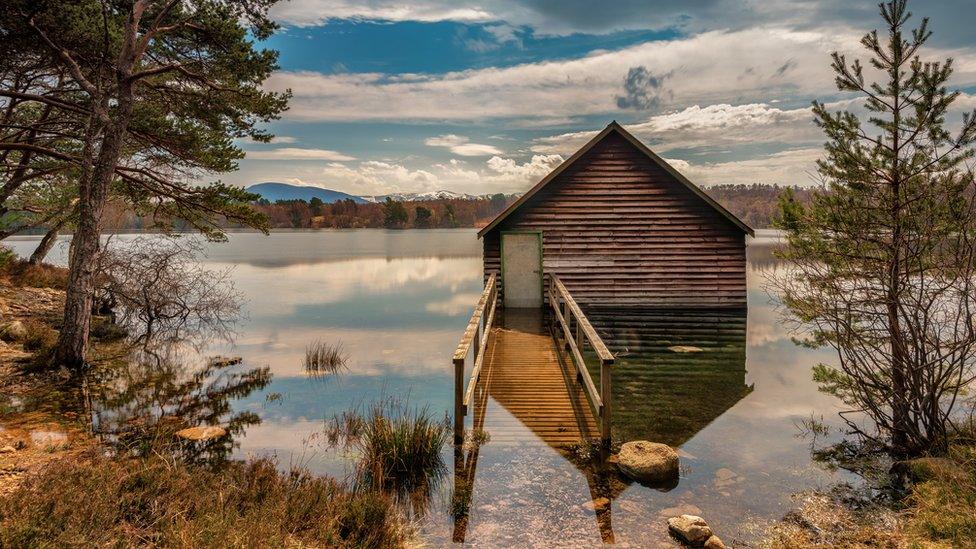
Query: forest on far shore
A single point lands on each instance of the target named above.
(756, 205)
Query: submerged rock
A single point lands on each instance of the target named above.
(648, 462)
(221, 361)
(13, 331)
(598, 504)
(685, 349)
(691, 529)
(206, 432)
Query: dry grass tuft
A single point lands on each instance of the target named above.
(99, 501)
(40, 337)
(20, 273)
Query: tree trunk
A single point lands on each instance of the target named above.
(86, 245)
(44, 247)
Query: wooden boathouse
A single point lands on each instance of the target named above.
(613, 231)
(613, 226)
(619, 226)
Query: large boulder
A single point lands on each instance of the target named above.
(13, 330)
(690, 529)
(648, 462)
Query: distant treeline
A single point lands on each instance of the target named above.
(754, 204)
(757, 204)
(391, 214)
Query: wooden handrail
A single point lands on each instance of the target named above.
(601, 402)
(478, 330)
(597, 344)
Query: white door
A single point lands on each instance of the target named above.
(522, 269)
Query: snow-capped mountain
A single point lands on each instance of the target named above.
(429, 195)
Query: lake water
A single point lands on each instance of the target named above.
(398, 302)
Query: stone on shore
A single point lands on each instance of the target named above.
(648, 462)
(714, 543)
(690, 529)
(206, 432)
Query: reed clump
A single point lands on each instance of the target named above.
(400, 445)
(322, 358)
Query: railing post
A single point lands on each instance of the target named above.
(477, 341)
(605, 395)
(579, 336)
(458, 400)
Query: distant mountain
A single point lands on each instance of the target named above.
(284, 191)
(414, 197)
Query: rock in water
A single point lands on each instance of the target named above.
(206, 432)
(13, 331)
(685, 349)
(690, 529)
(648, 462)
(222, 361)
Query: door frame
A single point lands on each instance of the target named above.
(542, 274)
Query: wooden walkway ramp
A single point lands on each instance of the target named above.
(532, 392)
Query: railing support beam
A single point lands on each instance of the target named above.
(478, 333)
(566, 310)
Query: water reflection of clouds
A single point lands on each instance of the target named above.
(281, 290)
(412, 352)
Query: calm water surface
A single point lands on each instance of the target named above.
(398, 302)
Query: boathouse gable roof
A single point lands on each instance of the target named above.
(612, 128)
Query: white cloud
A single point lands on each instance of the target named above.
(712, 126)
(317, 12)
(753, 65)
(293, 153)
(539, 166)
(791, 167)
(738, 64)
(460, 146)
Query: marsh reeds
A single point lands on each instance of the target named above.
(400, 446)
(323, 358)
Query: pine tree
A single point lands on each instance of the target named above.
(394, 214)
(159, 90)
(882, 261)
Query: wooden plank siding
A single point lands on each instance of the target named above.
(619, 229)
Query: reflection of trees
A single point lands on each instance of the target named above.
(140, 405)
(668, 396)
(761, 256)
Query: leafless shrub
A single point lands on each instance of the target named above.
(158, 290)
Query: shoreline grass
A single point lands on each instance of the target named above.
(100, 501)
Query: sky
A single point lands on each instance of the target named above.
(488, 96)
